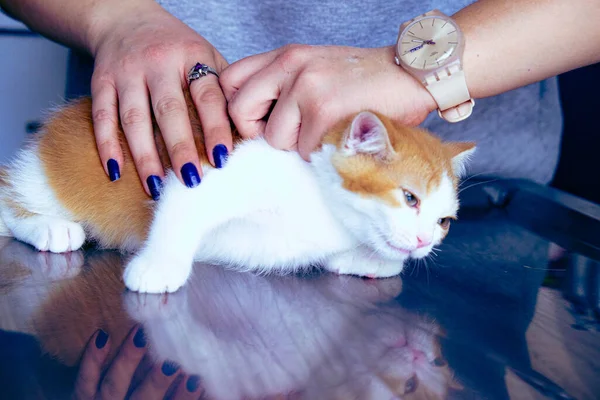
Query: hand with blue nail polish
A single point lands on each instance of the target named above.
(139, 87)
(120, 363)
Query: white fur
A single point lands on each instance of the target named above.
(49, 233)
(29, 185)
(3, 228)
(52, 227)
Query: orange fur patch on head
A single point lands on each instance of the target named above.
(418, 162)
(455, 148)
(363, 175)
(3, 177)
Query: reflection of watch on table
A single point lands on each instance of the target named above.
(430, 48)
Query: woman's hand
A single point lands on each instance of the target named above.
(314, 87)
(142, 57)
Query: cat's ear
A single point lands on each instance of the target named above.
(460, 153)
(367, 135)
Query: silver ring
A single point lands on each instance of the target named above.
(199, 70)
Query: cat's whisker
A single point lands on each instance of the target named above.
(476, 184)
(426, 268)
(431, 258)
(415, 269)
(372, 252)
(402, 237)
(471, 177)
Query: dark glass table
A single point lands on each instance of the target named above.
(501, 312)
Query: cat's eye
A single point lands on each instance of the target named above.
(444, 222)
(411, 385)
(411, 199)
(439, 362)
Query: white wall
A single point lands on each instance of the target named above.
(32, 80)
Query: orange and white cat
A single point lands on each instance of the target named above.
(373, 195)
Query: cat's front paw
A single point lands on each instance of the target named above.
(359, 264)
(149, 273)
(53, 234)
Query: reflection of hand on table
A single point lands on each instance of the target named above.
(123, 376)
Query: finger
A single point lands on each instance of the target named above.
(117, 380)
(190, 387)
(253, 101)
(212, 111)
(284, 125)
(157, 381)
(90, 368)
(105, 119)
(310, 135)
(236, 74)
(172, 116)
(134, 108)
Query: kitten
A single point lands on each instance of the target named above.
(373, 195)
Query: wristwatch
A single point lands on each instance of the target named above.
(430, 48)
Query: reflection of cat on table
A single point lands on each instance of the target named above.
(247, 335)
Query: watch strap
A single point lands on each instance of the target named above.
(448, 87)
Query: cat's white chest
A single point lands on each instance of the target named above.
(274, 239)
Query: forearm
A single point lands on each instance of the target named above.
(511, 43)
(74, 23)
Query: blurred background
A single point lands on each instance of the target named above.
(33, 74)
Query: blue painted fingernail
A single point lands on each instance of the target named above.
(169, 368)
(192, 383)
(154, 185)
(101, 339)
(139, 340)
(190, 175)
(220, 155)
(113, 169)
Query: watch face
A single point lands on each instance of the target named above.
(428, 43)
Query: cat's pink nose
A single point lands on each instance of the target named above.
(418, 354)
(423, 241)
